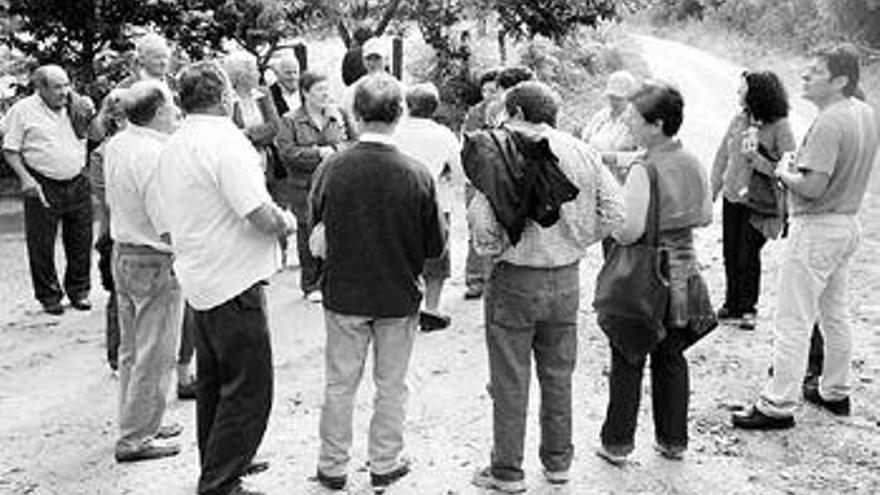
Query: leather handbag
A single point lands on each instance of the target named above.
(765, 193)
(632, 288)
(702, 318)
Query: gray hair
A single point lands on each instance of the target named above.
(143, 100)
(239, 63)
(151, 42)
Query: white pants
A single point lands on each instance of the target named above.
(813, 286)
(348, 341)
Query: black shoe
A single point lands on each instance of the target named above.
(756, 420)
(255, 467)
(430, 321)
(147, 452)
(382, 481)
(724, 313)
(836, 407)
(748, 321)
(331, 482)
(81, 304)
(473, 293)
(53, 308)
(186, 391)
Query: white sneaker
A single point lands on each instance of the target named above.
(315, 296)
(556, 477)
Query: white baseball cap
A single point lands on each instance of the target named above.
(373, 46)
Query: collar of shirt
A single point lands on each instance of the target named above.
(149, 132)
(375, 137)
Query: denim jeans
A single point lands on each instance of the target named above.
(150, 308)
(670, 389)
(742, 258)
(234, 389)
(309, 266)
(348, 341)
(531, 312)
(70, 207)
(815, 275)
(476, 268)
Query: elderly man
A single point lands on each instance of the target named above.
(437, 148)
(224, 231)
(153, 57)
(149, 302)
(375, 56)
(379, 210)
(42, 147)
(285, 89)
(826, 182)
(532, 296)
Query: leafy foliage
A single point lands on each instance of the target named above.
(554, 19)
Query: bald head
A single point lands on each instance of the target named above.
(53, 85)
(150, 104)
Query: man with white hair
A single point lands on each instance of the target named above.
(285, 89)
(150, 304)
(153, 58)
(41, 145)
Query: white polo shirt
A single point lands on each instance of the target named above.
(131, 161)
(44, 138)
(209, 181)
(436, 146)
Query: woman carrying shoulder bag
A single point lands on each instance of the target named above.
(683, 200)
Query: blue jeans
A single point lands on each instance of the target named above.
(348, 342)
(531, 312)
(150, 309)
(669, 396)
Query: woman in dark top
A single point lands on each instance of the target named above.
(309, 134)
(757, 136)
(654, 118)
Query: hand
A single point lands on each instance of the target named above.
(30, 188)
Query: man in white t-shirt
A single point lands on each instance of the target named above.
(437, 147)
(224, 230)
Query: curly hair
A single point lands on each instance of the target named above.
(765, 98)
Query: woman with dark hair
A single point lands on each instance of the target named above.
(654, 119)
(309, 134)
(756, 139)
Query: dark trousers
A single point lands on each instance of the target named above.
(309, 266)
(104, 247)
(669, 396)
(234, 389)
(742, 258)
(816, 356)
(477, 268)
(70, 207)
(187, 338)
(531, 312)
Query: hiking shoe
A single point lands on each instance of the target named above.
(836, 407)
(756, 420)
(331, 482)
(381, 481)
(556, 477)
(613, 455)
(484, 479)
(747, 322)
(671, 452)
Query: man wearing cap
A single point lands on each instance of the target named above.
(375, 57)
(607, 130)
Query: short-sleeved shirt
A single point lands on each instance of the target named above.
(131, 159)
(209, 181)
(842, 142)
(45, 138)
(435, 146)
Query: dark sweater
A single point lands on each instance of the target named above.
(381, 220)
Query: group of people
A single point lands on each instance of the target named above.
(197, 210)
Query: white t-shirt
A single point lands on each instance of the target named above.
(436, 146)
(210, 180)
(131, 159)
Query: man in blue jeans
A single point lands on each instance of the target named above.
(533, 294)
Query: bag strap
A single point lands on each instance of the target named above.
(652, 223)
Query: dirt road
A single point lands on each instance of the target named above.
(58, 399)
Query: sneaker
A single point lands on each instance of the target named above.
(53, 308)
(613, 455)
(724, 313)
(671, 452)
(315, 296)
(331, 482)
(380, 482)
(756, 420)
(147, 451)
(748, 321)
(556, 477)
(186, 391)
(169, 431)
(836, 407)
(473, 293)
(430, 321)
(484, 479)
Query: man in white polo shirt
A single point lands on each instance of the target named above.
(150, 304)
(224, 231)
(43, 148)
